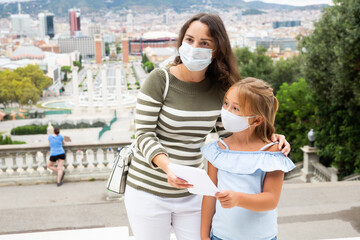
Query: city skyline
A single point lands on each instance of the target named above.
(295, 3)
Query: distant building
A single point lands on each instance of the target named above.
(278, 24)
(46, 21)
(85, 45)
(113, 53)
(20, 23)
(239, 16)
(153, 40)
(27, 52)
(74, 16)
(270, 42)
(93, 29)
(158, 55)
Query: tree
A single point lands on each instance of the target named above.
(66, 70)
(296, 115)
(118, 48)
(255, 64)
(332, 58)
(149, 66)
(144, 59)
(22, 85)
(107, 49)
(36, 76)
(286, 71)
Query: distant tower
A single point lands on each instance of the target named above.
(125, 50)
(46, 25)
(129, 18)
(98, 48)
(19, 7)
(74, 15)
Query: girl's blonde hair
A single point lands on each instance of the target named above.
(257, 97)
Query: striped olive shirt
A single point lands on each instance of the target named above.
(177, 127)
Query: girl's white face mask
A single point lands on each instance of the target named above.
(233, 122)
(195, 59)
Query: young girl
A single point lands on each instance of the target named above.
(247, 167)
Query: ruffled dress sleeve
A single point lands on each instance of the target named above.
(242, 162)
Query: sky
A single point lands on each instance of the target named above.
(296, 2)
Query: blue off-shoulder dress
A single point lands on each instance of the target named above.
(243, 171)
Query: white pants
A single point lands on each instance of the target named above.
(151, 216)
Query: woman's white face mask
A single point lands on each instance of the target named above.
(233, 122)
(195, 59)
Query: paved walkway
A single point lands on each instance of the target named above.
(306, 211)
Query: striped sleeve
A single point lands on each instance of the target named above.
(148, 106)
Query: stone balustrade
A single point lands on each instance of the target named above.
(27, 163)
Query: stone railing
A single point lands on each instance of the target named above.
(352, 177)
(313, 170)
(27, 164)
(324, 174)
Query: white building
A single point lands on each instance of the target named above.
(21, 24)
(84, 45)
(46, 25)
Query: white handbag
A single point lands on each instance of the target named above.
(117, 179)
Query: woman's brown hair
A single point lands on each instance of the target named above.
(257, 98)
(223, 67)
(57, 130)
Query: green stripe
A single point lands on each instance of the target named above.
(174, 156)
(182, 148)
(147, 103)
(185, 127)
(146, 113)
(151, 183)
(191, 118)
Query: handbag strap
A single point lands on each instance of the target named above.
(166, 84)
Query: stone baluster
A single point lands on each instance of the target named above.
(75, 161)
(96, 162)
(14, 167)
(3, 167)
(44, 164)
(105, 160)
(84, 160)
(66, 163)
(24, 166)
(34, 165)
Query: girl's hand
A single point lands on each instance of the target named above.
(177, 182)
(227, 198)
(284, 146)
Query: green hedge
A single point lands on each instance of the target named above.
(8, 140)
(29, 130)
(42, 129)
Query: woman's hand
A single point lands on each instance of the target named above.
(177, 182)
(227, 198)
(284, 146)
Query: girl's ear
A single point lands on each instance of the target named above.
(258, 120)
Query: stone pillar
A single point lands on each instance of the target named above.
(310, 156)
(75, 80)
(90, 91)
(118, 93)
(104, 91)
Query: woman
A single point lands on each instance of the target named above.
(173, 130)
(57, 153)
